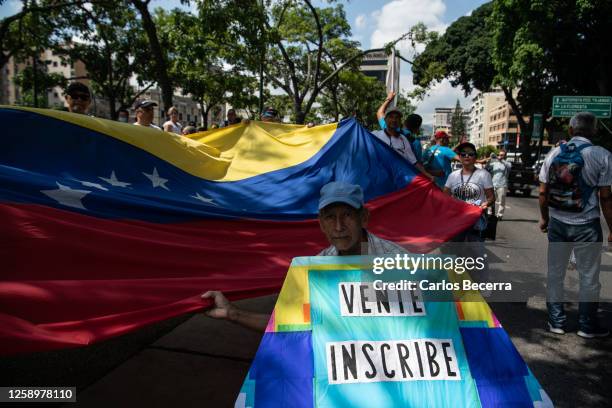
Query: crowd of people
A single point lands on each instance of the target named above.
(572, 229)
(78, 100)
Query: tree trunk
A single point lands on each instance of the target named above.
(523, 126)
(205, 116)
(112, 104)
(300, 115)
(35, 80)
(157, 54)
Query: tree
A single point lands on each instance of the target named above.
(199, 64)
(294, 38)
(464, 56)
(159, 55)
(33, 27)
(457, 123)
(36, 77)
(551, 48)
(353, 94)
(111, 45)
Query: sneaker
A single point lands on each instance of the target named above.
(555, 329)
(593, 333)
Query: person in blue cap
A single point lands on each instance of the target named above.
(343, 220)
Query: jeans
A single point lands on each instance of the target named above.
(586, 242)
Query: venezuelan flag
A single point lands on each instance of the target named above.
(107, 227)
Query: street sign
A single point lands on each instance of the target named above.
(568, 106)
(537, 126)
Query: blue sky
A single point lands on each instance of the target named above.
(375, 22)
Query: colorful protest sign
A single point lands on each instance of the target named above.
(336, 339)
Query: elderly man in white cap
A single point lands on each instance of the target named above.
(343, 219)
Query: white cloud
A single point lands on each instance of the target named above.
(443, 95)
(360, 21)
(398, 16)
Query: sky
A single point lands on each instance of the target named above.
(376, 22)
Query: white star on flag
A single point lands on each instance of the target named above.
(94, 185)
(156, 180)
(113, 180)
(204, 199)
(67, 196)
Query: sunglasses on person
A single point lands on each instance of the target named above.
(82, 97)
(467, 154)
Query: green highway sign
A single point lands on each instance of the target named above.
(568, 106)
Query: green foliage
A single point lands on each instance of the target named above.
(552, 48)
(197, 64)
(112, 46)
(457, 123)
(37, 79)
(354, 94)
(462, 54)
(485, 151)
(295, 43)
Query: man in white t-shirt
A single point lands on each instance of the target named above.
(474, 186)
(343, 219)
(499, 168)
(579, 230)
(145, 113)
(391, 135)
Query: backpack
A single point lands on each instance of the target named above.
(430, 157)
(567, 190)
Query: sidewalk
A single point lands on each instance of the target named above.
(201, 363)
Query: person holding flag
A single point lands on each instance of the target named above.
(390, 133)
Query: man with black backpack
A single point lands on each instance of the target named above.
(575, 178)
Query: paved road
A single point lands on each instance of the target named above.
(196, 361)
(572, 370)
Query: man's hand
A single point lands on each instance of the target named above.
(543, 225)
(223, 309)
(484, 206)
(391, 95)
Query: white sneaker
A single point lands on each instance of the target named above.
(556, 330)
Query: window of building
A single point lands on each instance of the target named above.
(55, 95)
(55, 63)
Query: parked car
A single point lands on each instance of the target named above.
(521, 177)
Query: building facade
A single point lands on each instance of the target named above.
(478, 127)
(442, 119)
(375, 65)
(10, 93)
(503, 128)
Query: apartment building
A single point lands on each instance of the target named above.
(478, 127)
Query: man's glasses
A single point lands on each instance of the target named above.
(468, 154)
(82, 97)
